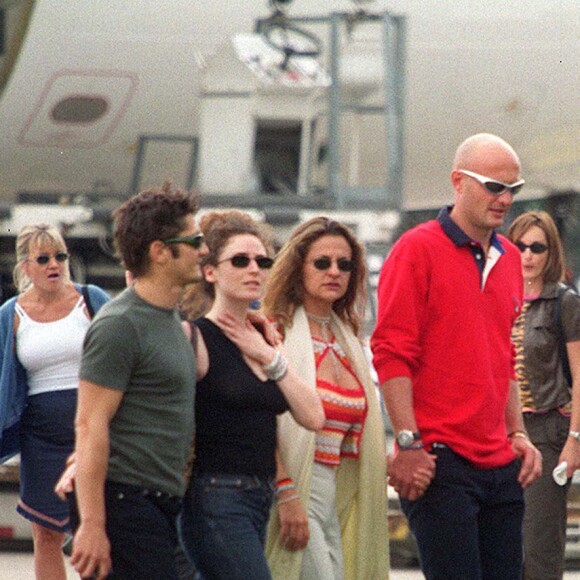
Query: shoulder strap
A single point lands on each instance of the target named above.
(87, 297)
(560, 335)
(19, 310)
(193, 339)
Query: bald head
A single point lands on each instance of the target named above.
(484, 149)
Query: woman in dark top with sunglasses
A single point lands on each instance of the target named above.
(41, 337)
(330, 520)
(551, 405)
(243, 383)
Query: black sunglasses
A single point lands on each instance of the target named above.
(535, 248)
(243, 261)
(44, 259)
(344, 264)
(194, 241)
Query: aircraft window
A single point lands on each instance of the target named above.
(79, 109)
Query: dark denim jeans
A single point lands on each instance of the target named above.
(141, 527)
(468, 525)
(222, 526)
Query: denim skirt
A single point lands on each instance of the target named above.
(46, 440)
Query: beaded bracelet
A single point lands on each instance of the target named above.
(282, 488)
(287, 499)
(283, 484)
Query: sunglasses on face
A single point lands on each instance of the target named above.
(535, 247)
(492, 185)
(324, 263)
(243, 261)
(44, 259)
(194, 241)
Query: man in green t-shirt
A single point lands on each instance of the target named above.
(135, 408)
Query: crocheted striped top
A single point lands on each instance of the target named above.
(345, 410)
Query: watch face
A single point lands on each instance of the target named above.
(405, 438)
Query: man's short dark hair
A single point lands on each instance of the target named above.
(154, 214)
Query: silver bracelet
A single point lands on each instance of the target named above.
(280, 371)
(273, 363)
(277, 369)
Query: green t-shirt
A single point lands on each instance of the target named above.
(142, 350)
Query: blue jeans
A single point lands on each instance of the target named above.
(222, 526)
(141, 527)
(468, 525)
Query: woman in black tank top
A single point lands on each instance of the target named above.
(244, 382)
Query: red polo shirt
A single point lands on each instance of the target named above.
(444, 319)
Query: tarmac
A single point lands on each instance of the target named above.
(20, 566)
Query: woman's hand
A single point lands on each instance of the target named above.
(66, 483)
(267, 328)
(293, 521)
(247, 338)
(571, 455)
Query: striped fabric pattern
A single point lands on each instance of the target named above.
(345, 411)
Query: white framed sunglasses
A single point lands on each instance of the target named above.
(493, 185)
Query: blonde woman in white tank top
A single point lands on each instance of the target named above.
(50, 322)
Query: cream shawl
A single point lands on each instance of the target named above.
(361, 483)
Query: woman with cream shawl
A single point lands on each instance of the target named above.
(330, 518)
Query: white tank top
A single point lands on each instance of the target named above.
(51, 351)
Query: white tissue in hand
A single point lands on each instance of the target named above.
(559, 473)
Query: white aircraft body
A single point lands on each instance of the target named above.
(504, 67)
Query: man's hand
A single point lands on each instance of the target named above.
(531, 459)
(411, 472)
(91, 555)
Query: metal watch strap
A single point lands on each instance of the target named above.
(418, 445)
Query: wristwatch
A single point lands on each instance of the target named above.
(406, 439)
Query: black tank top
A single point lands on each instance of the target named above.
(235, 412)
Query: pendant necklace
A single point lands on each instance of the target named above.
(531, 288)
(324, 322)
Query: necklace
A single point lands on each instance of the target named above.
(324, 322)
(532, 287)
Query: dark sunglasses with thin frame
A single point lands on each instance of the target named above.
(44, 259)
(194, 241)
(324, 263)
(535, 247)
(243, 261)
